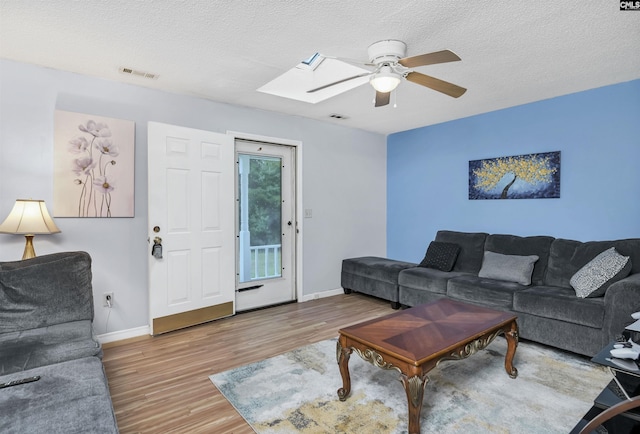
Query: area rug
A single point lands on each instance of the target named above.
(296, 393)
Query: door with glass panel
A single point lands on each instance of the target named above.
(266, 227)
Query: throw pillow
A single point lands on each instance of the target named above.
(512, 268)
(597, 275)
(441, 256)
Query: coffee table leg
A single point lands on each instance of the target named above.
(414, 387)
(512, 342)
(343, 354)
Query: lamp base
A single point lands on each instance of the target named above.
(29, 252)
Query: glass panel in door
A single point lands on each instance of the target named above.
(260, 217)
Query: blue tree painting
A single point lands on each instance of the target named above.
(531, 176)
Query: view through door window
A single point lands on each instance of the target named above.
(260, 196)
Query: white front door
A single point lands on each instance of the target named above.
(191, 213)
(266, 226)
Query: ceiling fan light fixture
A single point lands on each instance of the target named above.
(386, 80)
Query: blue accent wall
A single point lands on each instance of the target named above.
(597, 133)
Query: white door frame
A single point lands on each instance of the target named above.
(298, 205)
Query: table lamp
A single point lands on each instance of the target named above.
(29, 217)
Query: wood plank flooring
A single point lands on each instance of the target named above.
(160, 384)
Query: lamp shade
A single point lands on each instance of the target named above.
(386, 80)
(29, 217)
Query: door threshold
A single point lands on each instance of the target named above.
(253, 309)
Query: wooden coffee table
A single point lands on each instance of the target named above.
(416, 340)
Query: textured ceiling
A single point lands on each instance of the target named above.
(513, 52)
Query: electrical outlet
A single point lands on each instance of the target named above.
(107, 299)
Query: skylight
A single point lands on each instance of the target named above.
(312, 62)
(314, 72)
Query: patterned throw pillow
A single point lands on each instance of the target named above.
(441, 256)
(596, 276)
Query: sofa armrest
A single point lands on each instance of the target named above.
(620, 301)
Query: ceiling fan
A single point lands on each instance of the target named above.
(391, 66)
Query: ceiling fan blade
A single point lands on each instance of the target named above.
(338, 82)
(436, 84)
(382, 98)
(443, 56)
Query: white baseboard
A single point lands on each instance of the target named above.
(322, 294)
(144, 330)
(123, 334)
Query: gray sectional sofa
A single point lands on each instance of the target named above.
(46, 314)
(529, 276)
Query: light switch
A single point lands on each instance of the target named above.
(308, 213)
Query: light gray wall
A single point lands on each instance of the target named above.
(344, 179)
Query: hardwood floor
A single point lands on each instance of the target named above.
(160, 384)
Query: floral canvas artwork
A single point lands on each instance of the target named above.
(531, 176)
(93, 166)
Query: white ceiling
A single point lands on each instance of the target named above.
(513, 52)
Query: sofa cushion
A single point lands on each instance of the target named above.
(560, 304)
(523, 246)
(413, 296)
(428, 279)
(441, 256)
(597, 275)
(566, 257)
(512, 268)
(70, 397)
(31, 348)
(28, 288)
(493, 293)
(471, 249)
(373, 267)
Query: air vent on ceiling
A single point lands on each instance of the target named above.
(138, 73)
(337, 116)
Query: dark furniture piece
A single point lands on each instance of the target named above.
(616, 408)
(46, 314)
(416, 340)
(373, 276)
(548, 309)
